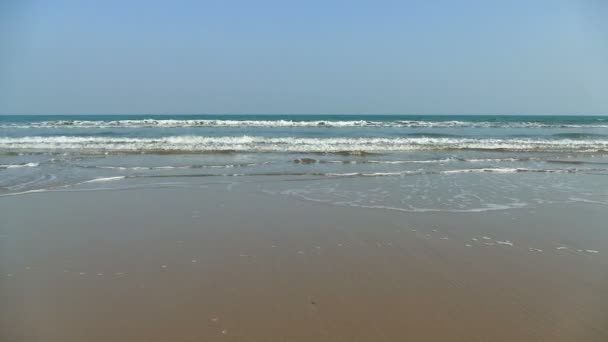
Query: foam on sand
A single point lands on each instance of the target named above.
(105, 179)
(506, 243)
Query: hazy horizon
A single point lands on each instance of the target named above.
(288, 114)
(316, 58)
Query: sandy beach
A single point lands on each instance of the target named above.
(217, 262)
(310, 171)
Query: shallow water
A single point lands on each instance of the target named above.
(406, 163)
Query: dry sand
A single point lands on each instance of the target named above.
(216, 265)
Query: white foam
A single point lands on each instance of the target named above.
(105, 179)
(370, 174)
(172, 167)
(507, 170)
(293, 144)
(16, 166)
(506, 243)
(173, 123)
(489, 207)
(495, 160)
(26, 192)
(430, 161)
(591, 251)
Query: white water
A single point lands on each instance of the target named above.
(176, 123)
(296, 144)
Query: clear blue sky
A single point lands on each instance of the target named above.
(246, 56)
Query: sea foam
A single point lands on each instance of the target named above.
(295, 144)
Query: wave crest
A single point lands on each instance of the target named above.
(198, 144)
(177, 123)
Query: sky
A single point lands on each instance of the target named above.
(304, 57)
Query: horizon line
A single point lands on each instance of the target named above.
(298, 114)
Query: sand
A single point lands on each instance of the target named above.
(208, 264)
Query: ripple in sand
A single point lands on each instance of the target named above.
(535, 250)
(444, 238)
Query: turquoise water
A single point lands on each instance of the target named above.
(456, 162)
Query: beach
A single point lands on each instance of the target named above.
(311, 171)
(303, 228)
(216, 261)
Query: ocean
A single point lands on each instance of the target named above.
(393, 162)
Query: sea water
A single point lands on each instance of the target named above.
(396, 162)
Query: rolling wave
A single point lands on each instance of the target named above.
(198, 144)
(177, 123)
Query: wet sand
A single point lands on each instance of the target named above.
(208, 264)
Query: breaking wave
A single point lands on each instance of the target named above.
(176, 123)
(198, 144)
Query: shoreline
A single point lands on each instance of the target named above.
(212, 263)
